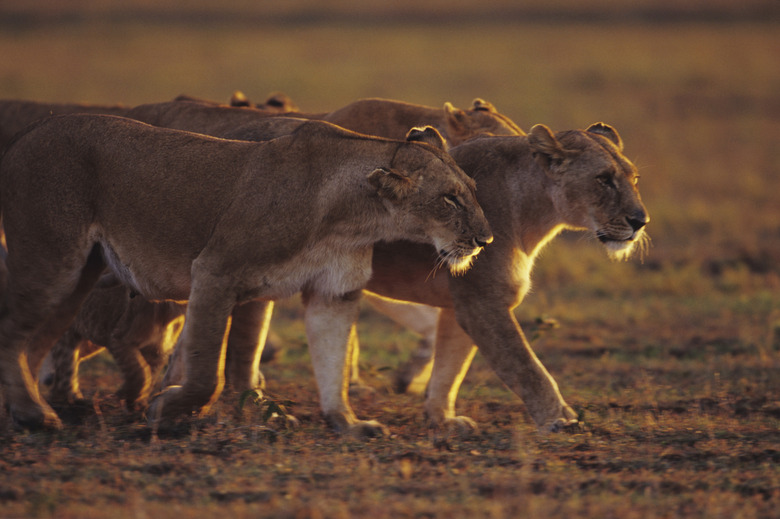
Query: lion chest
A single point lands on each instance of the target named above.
(329, 271)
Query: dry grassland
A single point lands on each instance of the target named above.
(673, 362)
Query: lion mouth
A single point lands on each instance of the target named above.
(621, 247)
(458, 259)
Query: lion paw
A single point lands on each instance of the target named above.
(34, 419)
(162, 409)
(566, 423)
(284, 421)
(462, 426)
(365, 429)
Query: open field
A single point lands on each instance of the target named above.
(673, 362)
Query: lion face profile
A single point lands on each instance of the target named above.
(594, 184)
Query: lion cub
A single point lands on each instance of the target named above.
(184, 217)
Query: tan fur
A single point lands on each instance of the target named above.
(278, 103)
(209, 117)
(531, 188)
(17, 115)
(139, 334)
(382, 117)
(179, 216)
(387, 118)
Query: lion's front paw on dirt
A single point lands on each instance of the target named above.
(284, 421)
(462, 426)
(566, 425)
(366, 429)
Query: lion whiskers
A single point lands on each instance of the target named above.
(623, 250)
(457, 263)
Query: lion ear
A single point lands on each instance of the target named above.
(428, 135)
(608, 132)
(239, 99)
(546, 149)
(391, 184)
(480, 105)
(281, 101)
(456, 117)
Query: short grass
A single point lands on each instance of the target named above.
(673, 362)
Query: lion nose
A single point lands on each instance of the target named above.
(638, 221)
(482, 241)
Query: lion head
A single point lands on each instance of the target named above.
(595, 185)
(441, 207)
(481, 119)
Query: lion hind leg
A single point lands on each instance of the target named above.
(63, 375)
(40, 313)
(248, 332)
(412, 376)
(135, 370)
(453, 354)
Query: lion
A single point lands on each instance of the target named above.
(139, 334)
(217, 223)
(209, 117)
(384, 117)
(531, 189)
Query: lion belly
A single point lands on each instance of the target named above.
(328, 272)
(157, 285)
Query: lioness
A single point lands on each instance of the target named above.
(531, 188)
(211, 118)
(180, 216)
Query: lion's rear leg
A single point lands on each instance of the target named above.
(453, 354)
(413, 375)
(248, 333)
(63, 381)
(136, 372)
(41, 306)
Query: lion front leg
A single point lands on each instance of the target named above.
(329, 324)
(202, 347)
(504, 346)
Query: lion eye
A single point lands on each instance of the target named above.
(606, 180)
(453, 201)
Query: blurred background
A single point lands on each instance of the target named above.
(693, 87)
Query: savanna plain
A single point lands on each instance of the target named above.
(672, 360)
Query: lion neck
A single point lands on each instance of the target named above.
(514, 191)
